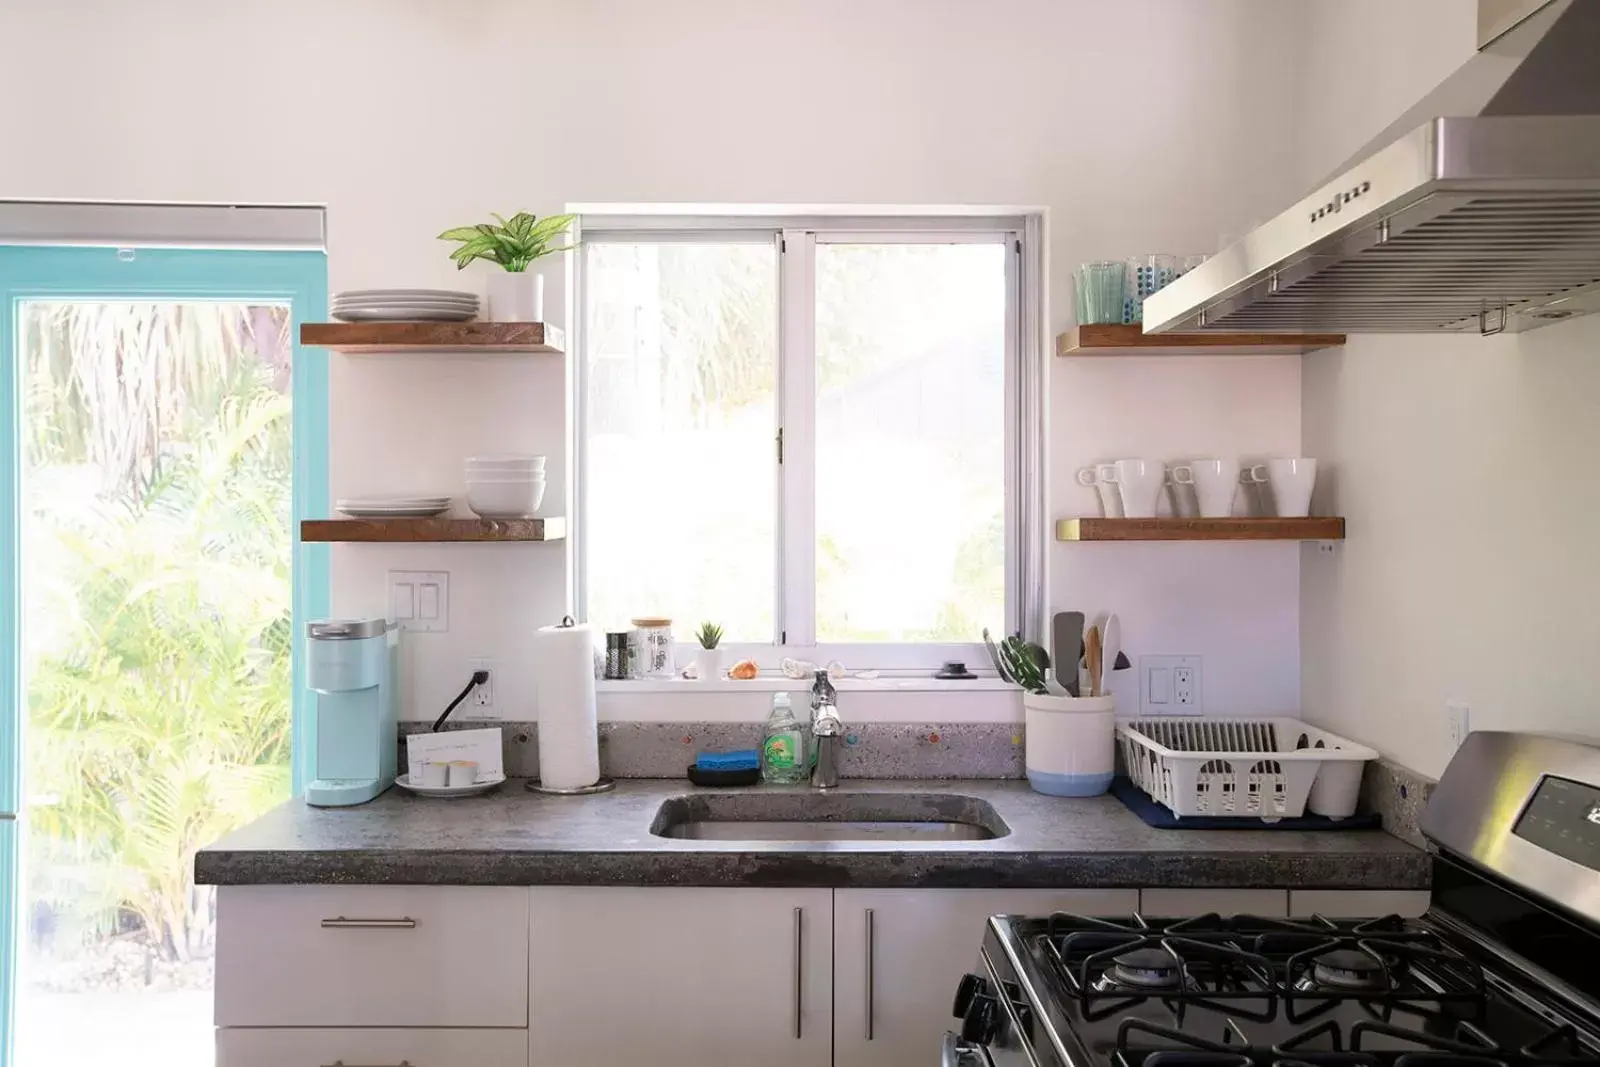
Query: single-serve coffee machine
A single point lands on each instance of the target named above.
(352, 664)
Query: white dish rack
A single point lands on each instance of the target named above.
(1266, 769)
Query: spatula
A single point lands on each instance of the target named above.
(1067, 639)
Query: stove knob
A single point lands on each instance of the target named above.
(982, 1021)
(971, 986)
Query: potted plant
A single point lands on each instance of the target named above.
(516, 294)
(708, 660)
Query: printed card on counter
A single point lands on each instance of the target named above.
(480, 746)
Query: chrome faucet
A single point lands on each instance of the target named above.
(827, 732)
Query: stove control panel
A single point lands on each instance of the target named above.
(1563, 817)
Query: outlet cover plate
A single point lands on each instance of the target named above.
(420, 600)
(480, 702)
(1163, 690)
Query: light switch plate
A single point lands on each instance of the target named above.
(1170, 685)
(425, 595)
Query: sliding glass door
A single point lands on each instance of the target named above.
(161, 434)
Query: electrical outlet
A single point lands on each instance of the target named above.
(1170, 685)
(1457, 717)
(1183, 687)
(482, 697)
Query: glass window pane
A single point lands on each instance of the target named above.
(910, 536)
(681, 496)
(157, 488)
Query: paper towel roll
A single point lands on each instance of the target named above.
(569, 739)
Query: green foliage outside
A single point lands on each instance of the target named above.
(158, 486)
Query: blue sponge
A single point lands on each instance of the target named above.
(747, 760)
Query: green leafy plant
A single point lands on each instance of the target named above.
(514, 243)
(709, 635)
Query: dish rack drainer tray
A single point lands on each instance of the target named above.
(1265, 769)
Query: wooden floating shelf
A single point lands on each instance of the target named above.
(418, 531)
(366, 337)
(1314, 529)
(1114, 339)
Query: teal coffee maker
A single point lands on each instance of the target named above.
(351, 666)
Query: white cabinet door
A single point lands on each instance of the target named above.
(1358, 903)
(363, 955)
(1181, 903)
(422, 1048)
(898, 954)
(680, 977)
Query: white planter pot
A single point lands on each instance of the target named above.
(708, 663)
(1070, 744)
(516, 297)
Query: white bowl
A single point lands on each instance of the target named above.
(486, 464)
(505, 500)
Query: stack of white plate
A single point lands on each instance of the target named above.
(405, 305)
(505, 487)
(393, 507)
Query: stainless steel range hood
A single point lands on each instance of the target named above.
(1480, 223)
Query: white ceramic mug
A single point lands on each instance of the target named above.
(463, 772)
(436, 774)
(1214, 480)
(1291, 482)
(1140, 481)
(1103, 478)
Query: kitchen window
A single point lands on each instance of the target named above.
(802, 430)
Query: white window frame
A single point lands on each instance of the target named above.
(796, 237)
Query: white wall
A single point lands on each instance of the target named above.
(1142, 125)
(1460, 464)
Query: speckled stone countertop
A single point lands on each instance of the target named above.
(514, 837)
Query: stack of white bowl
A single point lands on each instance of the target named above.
(505, 487)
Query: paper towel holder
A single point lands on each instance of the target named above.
(603, 785)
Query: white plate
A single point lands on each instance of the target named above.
(396, 501)
(406, 294)
(427, 512)
(404, 302)
(394, 314)
(449, 791)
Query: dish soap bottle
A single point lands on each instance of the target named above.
(783, 748)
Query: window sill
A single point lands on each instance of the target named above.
(777, 683)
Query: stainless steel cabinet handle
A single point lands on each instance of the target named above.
(870, 963)
(341, 923)
(341, 1063)
(799, 969)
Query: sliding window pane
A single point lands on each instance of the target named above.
(681, 393)
(910, 536)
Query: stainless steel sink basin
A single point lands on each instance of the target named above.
(875, 830)
(805, 816)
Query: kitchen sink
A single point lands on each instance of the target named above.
(839, 817)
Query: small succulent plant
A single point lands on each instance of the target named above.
(709, 635)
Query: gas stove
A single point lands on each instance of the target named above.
(1501, 971)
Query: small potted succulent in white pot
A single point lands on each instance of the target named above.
(708, 659)
(516, 294)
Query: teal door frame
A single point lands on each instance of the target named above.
(47, 272)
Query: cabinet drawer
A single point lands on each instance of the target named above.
(372, 956)
(418, 1048)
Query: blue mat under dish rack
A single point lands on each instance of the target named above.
(1160, 816)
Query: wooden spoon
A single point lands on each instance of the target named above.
(1091, 659)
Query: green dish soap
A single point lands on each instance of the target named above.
(783, 748)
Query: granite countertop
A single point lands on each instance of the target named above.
(514, 837)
